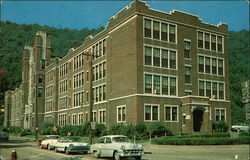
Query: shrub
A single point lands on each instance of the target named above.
(66, 129)
(3, 129)
(25, 132)
(242, 134)
(99, 128)
(158, 129)
(14, 129)
(200, 141)
(141, 131)
(206, 135)
(220, 126)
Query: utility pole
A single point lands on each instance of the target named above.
(90, 98)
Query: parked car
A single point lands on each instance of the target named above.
(242, 128)
(71, 144)
(117, 146)
(49, 141)
(4, 136)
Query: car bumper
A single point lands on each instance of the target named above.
(79, 149)
(131, 153)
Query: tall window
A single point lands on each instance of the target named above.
(187, 74)
(104, 46)
(220, 114)
(164, 31)
(207, 65)
(147, 28)
(121, 114)
(164, 85)
(187, 46)
(219, 43)
(156, 84)
(207, 41)
(173, 59)
(148, 55)
(172, 33)
(214, 66)
(201, 64)
(172, 86)
(156, 58)
(201, 88)
(221, 91)
(220, 66)
(208, 89)
(102, 116)
(213, 42)
(151, 112)
(156, 30)
(214, 92)
(164, 58)
(200, 40)
(104, 69)
(171, 113)
(148, 83)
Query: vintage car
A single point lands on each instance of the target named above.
(71, 144)
(49, 141)
(117, 146)
(4, 136)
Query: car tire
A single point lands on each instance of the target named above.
(138, 158)
(41, 146)
(56, 149)
(96, 154)
(117, 156)
(67, 151)
(48, 146)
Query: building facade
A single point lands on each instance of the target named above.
(148, 66)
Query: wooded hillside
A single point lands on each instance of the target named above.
(13, 38)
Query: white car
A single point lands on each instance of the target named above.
(48, 141)
(117, 146)
(71, 144)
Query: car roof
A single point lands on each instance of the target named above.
(112, 136)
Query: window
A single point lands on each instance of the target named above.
(147, 28)
(121, 114)
(74, 119)
(94, 115)
(171, 113)
(201, 64)
(220, 114)
(207, 65)
(214, 92)
(172, 33)
(151, 112)
(148, 55)
(219, 43)
(164, 33)
(187, 46)
(40, 78)
(80, 118)
(156, 84)
(214, 66)
(200, 40)
(156, 58)
(207, 41)
(208, 89)
(40, 92)
(201, 88)
(148, 83)
(165, 85)
(102, 116)
(173, 59)
(187, 93)
(220, 66)
(104, 69)
(213, 42)
(187, 74)
(156, 30)
(164, 58)
(221, 91)
(172, 86)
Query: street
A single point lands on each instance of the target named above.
(28, 150)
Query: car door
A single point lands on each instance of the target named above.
(108, 147)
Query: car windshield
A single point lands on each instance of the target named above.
(74, 140)
(52, 137)
(120, 139)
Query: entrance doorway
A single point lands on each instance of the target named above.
(197, 119)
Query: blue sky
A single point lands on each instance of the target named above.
(93, 14)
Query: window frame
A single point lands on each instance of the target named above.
(171, 113)
(151, 112)
(117, 114)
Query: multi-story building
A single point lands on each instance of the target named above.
(148, 66)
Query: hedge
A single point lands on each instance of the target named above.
(204, 135)
(200, 141)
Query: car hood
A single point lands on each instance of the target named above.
(129, 145)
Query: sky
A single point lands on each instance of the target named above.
(94, 14)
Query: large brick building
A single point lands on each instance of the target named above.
(148, 66)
